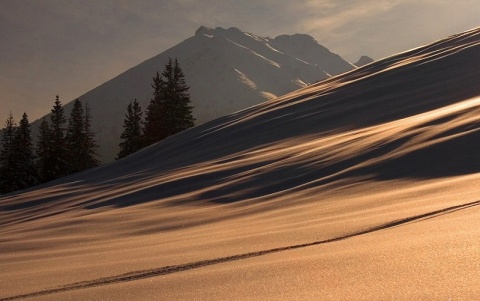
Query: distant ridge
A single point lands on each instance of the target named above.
(227, 70)
(364, 60)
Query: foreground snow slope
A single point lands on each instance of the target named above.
(363, 187)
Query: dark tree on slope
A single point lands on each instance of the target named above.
(80, 139)
(27, 173)
(59, 154)
(169, 112)
(178, 109)
(75, 138)
(59, 146)
(90, 155)
(155, 128)
(132, 130)
(44, 152)
(8, 174)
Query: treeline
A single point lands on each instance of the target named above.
(64, 149)
(60, 150)
(168, 112)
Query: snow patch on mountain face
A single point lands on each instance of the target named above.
(299, 82)
(273, 49)
(268, 95)
(246, 80)
(254, 53)
(227, 70)
(252, 36)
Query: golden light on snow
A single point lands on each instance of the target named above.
(362, 187)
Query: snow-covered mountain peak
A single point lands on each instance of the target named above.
(203, 30)
(304, 39)
(232, 33)
(227, 70)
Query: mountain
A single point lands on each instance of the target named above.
(364, 60)
(363, 186)
(227, 70)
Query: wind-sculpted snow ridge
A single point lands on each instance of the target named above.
(394, 143)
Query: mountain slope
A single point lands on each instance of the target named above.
(227, 70)
(353, 188)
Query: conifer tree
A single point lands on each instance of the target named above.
(178, 101)
(169, 112)
(80, 139)
(90, 146)
(24, 155)
(132, 130)
(44, 152)
(75, 138)
(8, 172)
(154, 123)
(59, 155)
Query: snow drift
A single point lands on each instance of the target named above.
(356, 187)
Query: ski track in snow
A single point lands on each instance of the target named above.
(143, 274)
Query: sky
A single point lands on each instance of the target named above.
(68, 47)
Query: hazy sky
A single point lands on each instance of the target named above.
(68, 47)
